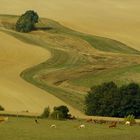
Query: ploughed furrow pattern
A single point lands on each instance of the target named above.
(75, 58)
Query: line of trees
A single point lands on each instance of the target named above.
(108, 99)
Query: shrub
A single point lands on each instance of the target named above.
(26, 22)
(130, 118)
(63, 109)
(46, 113)
(60, 112)
(1, 108)
(57, 115)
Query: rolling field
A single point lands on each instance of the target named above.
(16, 94)
(83, 60)
(26, 129)
(114, 19)
(56, 65)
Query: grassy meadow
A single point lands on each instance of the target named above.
(27, 129)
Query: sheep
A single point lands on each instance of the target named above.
(128, 123)
(82, 126)
(53, 126)
(89, 120)
(113, 125)
(36, 121)
(3, 119)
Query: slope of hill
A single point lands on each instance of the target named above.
(16, 95)
(117, 19)
(75, 58)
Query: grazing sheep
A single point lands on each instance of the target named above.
(36, 121)
(89, 120)
(82, 126)
(53, 126)
(100, 121)
(113, 125)
(3, 119)
(128, 123)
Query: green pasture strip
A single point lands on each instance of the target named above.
(100, 43)
(121, 76)
(27, 129)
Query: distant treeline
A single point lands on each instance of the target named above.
(108, 99)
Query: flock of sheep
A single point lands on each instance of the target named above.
(111, 125)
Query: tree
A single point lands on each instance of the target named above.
(130, 100)
(99, 100)
(58, 115)
(1, 108)
(108, 99)
(61, 112)
(27, 21)
(46, 113)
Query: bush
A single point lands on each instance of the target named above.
(1, 108)
(60, 112)
(130, 118)
(108, 99)
(46, 113)
(63, 109)
(57, 115)
(26, 22)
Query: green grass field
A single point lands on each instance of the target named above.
(120, 76)
(26, 129)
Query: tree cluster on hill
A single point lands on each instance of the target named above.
(26, 22)
(59, 113)
(108, 99)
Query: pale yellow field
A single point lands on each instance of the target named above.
(117, 19)
(15, 94)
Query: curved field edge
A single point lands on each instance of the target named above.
(120, 76)
(62, 59)
(100, 43)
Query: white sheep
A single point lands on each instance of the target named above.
(53, 126)
(3, 119)
(82, 126)
(127, 123)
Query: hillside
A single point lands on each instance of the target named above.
(77, 62)
(116, 19)
(16, 95)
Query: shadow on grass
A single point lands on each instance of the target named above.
(43, 28)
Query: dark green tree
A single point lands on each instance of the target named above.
(57, 115)
(1, 108)
(109, 100)
(99, 100)
(63, 110)
(27, 21)
(46, 112)
(130, 100)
